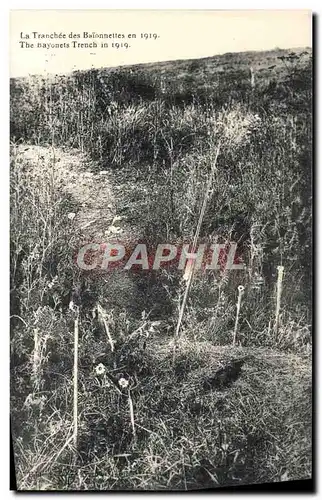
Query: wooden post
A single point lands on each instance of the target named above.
(132, 414)
(36, 359)
(188, 275)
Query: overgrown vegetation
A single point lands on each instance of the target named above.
(155, 130)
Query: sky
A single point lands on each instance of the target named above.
(167, 35)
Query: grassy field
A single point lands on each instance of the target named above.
(125, 154)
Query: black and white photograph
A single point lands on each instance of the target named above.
(160, 249)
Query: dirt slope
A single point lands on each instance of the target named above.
(74, 174)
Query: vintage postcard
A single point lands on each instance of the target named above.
(161, 248)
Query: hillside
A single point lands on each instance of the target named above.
(276, 61)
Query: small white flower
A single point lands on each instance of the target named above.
(123, 382)
(53, 282)
(71, 216)
(100, 369)
(114, 230)
(73, 307)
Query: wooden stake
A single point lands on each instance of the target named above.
(132, 415)
(252, 77)
(36, 359)
(189, 273)
(76, 327)
(102, 316)
(240, 294)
